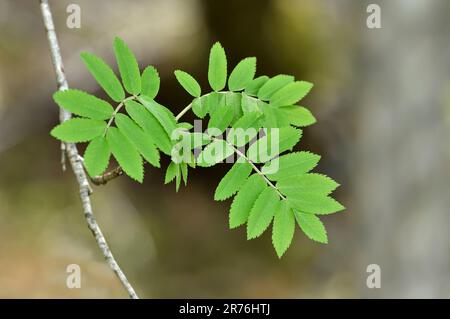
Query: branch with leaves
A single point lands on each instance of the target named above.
(74, 158)
(270, 182)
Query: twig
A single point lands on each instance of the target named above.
(106, 177)
(74, 158)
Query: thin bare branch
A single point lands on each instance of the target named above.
(73, 156)
(108, 176)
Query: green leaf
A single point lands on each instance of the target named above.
(161, 113)
(298, 115)
(197, 139)
(150, 125)
(290, 165)
(217, 71)
(141, 140)
(78, 130)
(315, 203)
(262, 213)
(84, 104)
(214, 153)
(291, 93)
(96, 156)
(275, 118)
(233, 102)
(244, 200)
(126, 154)
(242, 74)
(249, 104)
(283, 228)
(171, 172)
(221, 118)
(306, 183)
(104, 76)
(199, 107)
(150, 82)
(312, 227)
(188, 83)
(128, 67)
(273, 85)
(245, 129)
(275, 142)
(184, 172)
(254, 86)
(213, 101)
(232, 181)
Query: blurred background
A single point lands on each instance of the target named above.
(382, 100)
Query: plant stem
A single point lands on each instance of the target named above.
(184, 111)
(118, 108)
(74, 158)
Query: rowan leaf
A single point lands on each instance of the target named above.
(232, 181)
(298, 115)
(104, 76)
(161, 113)
(283, 228)
(214, 153)
(150, 125)
(150, 82)
(307, 183)
(249, 104)
(199, 107)
(275, 142)
(126, 154)
(274, 84)
(262, 212)
(254, 86)
(78, 130)
(312, 226)
(188, 83)
(83, 104)
(221, 118)
(128, 67)
(290, 165)
(244, 200)
(141, 140)
(171, 172)
(245, 129)
(291, 93)
(242, 75)
(315, 203)
(217, 70)
(96, 156)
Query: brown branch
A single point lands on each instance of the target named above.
(75, 159)
(106, 177)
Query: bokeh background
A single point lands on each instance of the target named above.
(382, 100)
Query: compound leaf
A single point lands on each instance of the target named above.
(312, 226)
(242, 75)
(221, 118)
(104, 76)
(150, 82)
(217, 70)
(262, 212)
(84, 104)
(188, 83)
(232, 181)
(96, 156)
(244, 200)
(126, 154)
(283, 228)
(78, 130)
(128, 67)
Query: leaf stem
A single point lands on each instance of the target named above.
(118, 108)
(184, 111)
